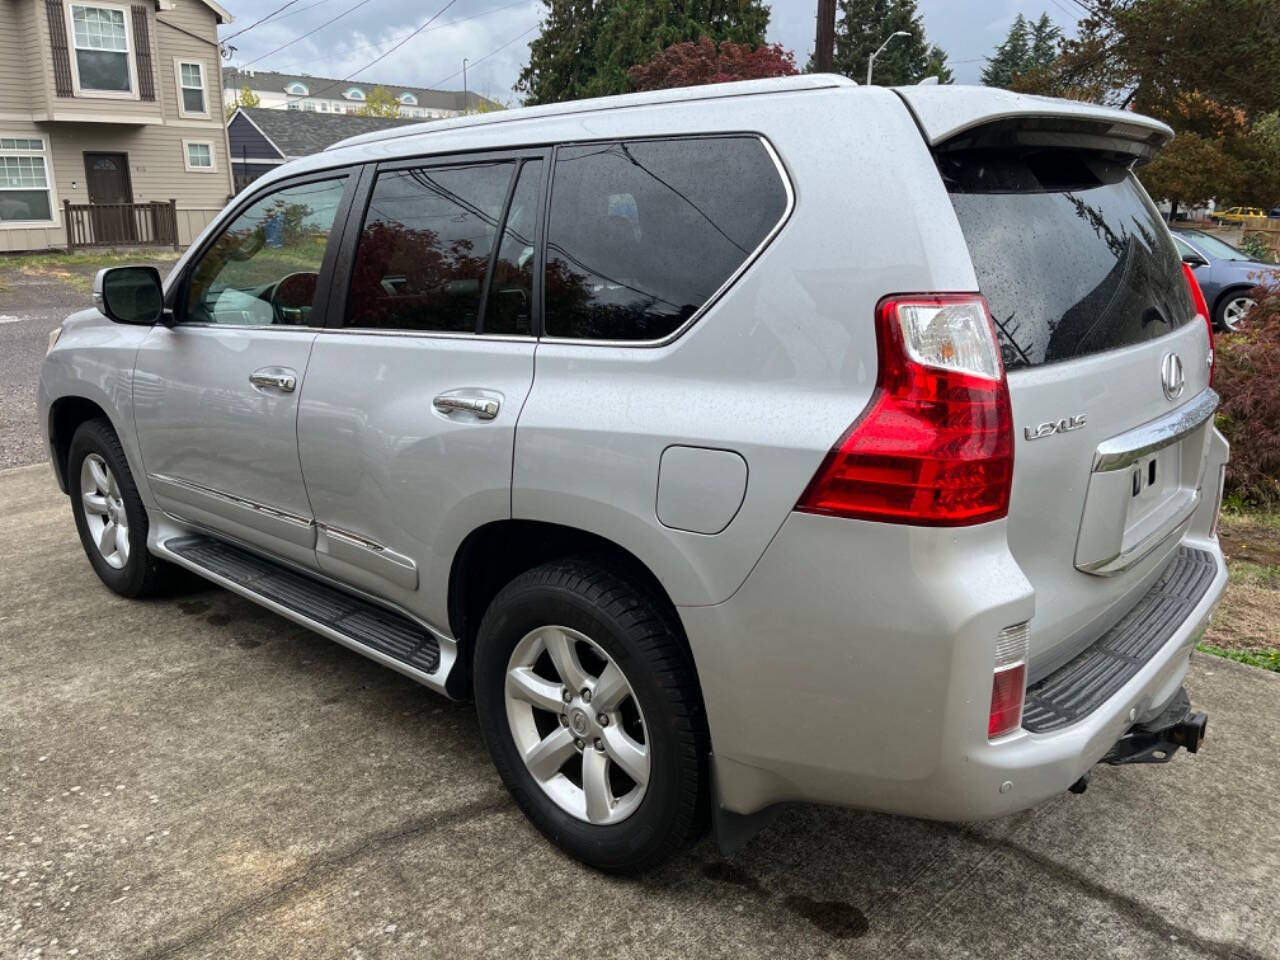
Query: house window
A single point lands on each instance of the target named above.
(297, 89)
(293, 105)
(25, 195)
(308, 106)
(408, 99)
(102, 48)
(199, 155)
(191, 87)
(355, 93)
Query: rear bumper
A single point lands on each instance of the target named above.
(854, 668)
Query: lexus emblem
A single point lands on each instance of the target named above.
(1172, 377)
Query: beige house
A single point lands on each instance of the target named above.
(111, 116)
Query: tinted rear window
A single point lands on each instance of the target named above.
(1069, 252)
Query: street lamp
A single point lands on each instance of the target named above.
(871, 61)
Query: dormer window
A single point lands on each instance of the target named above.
(297, 89)
(408, 99)
(355, 93)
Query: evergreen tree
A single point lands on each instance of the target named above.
(936, 65)
(1012, 57)
(1045, 38)
(587, 46)
(862, 25)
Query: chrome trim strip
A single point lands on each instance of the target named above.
(273, 512)
(1121, 452)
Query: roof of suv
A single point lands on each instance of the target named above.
(742, 88)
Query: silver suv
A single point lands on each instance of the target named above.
(776, 441)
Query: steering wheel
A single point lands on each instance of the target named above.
(292, 298)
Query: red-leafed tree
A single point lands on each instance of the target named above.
(694, 63)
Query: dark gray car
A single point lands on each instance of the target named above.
(1226, 275)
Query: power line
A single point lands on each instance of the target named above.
(303, 36)
(487, 55)
(430, 20)
(442, 26)
(240, 33)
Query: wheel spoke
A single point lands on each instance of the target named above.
(99, 474)
(611, 689)
(95, 503)
(549, 754)
(565, 658)
(595, 784)
(631, 756)
(122, 540)
(107, 539)
(524, 684)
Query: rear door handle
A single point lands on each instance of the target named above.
(481, 406)
(275, 378)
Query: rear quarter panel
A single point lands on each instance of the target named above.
(776, 370)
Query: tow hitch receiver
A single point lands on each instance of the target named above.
(1158, 739)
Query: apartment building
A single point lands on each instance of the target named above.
(110, 116)
(296, 91)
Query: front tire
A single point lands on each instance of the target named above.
(110, 517)
(589, 704)
(1233, 310)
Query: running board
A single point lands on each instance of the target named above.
(390, 638)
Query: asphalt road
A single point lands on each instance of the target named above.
(197, 778)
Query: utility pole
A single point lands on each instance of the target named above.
(824, 45)
(466, 104)
(871, 60)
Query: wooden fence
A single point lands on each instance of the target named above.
(121, 224)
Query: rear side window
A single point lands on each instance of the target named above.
(643, 233)
(1069, 252)
(424, 251)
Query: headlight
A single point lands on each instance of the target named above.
(54, 334)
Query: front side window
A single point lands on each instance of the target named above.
(24, 181)
(643, 233)
(424, 251)
(191, 87)
(102, 48)
(264, 267)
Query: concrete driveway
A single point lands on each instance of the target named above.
(196, 777)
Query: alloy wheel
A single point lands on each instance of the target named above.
(1234, 313)
(577, 725)
(104, 512)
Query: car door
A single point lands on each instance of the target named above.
(216, 391)
(407, 425)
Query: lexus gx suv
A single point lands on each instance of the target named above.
(775, 441)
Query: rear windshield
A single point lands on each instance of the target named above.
(1069, 252)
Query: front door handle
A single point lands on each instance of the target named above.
(275, 378)
(482, 407)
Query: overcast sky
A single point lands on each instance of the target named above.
(495, 35)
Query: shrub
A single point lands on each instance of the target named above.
(1248, 378)
(1256, 246)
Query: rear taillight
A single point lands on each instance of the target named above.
(1009, 683)
(935, 445)
(1202, 308)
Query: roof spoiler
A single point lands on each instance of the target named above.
(965, 118)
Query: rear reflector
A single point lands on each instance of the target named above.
(1202, 308)
(1008, 685)
(935, 445)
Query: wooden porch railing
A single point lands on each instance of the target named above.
(121, 224)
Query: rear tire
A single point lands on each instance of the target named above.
(110, 517)
(621, 783)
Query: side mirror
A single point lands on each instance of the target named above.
(131, 295)
(1194, 260)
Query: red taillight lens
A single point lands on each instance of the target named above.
(1008, 687)
(1202, 308)
(935, 446)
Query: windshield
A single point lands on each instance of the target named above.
(1069, 252)
(1218, 249)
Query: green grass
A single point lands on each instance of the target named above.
(87, 258)
(1266, 659)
